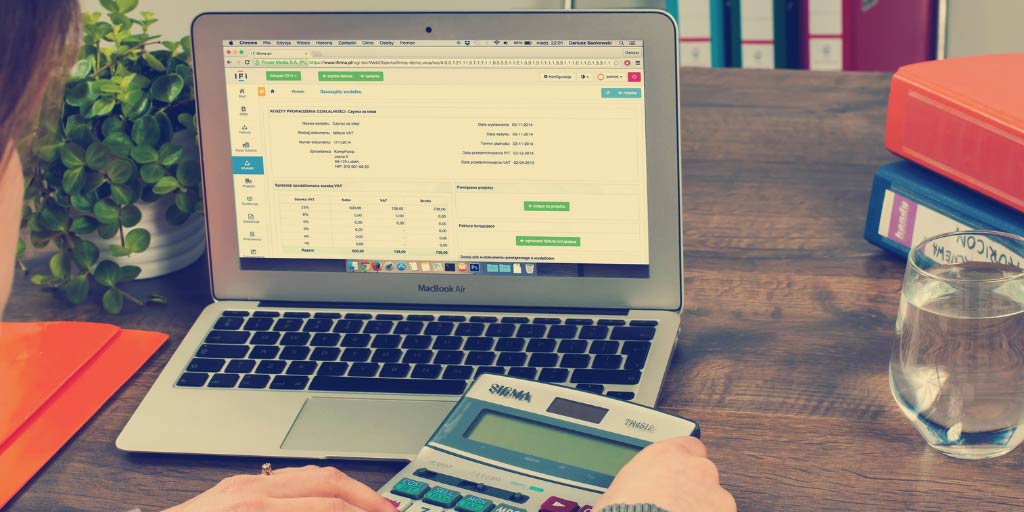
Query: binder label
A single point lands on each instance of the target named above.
(907, 223)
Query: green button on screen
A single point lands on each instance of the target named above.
(351, 76)
(290, 76)
(546, 206)
(548, 241)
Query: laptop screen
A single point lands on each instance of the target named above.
(488, 157)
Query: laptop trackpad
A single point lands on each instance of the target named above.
(365, 428)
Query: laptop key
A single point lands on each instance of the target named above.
(635, 347)
(418, 356)
(593, 332)
(223, 380)
(611, 321)
(386, 341)
(458, 372)
(480, 358)
(364, 370)
(356, 340)
(633, 333)
(470, 329)
(200, 364)
(264, 352)
(386, 355)
(409, 327)
(515, 320)
(227, 337)
(643, 323)
(510, 345)
(327, 315)
(499, 330)
(325, 354)
(512, 359)
(416, 342)
(497, 370)
(483, 319)
(479, 343)
(395, 370)
(447, 343)
(318, 325)
(572, 346)
(547, 320)
(258, 324)
(451, 318)
(240, 366)
(604, 347)
(266, 314)
(562, 331)
(531, 330)
(265, 338)
(575, 361)
(332, 369)
(254, 381)
(579, 321)
(388, 316)
(553, 375)
(523, 373)
(358, 316)
(622, 395)
(271, 367)
(543, 360)
(325, 339)
(607, 362)
(420, 318)
(289, 382)
(348, 326)
(295, 338)
(222, 351)
(294, 353)
(448, 357)
(356, 355)
(192, 380)
(426, 371)
(380, 385)
(228, 322)
(235, 313)
(288, 324)
(439, 328)
(635, 361)
(378, 327)
(541, 345)
(591, 388)
(296, 314)
(585, 376)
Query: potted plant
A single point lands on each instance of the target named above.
(112, 181)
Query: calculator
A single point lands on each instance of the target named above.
(513, 445)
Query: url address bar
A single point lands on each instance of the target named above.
(469, 63)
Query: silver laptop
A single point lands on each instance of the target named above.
(397, 203)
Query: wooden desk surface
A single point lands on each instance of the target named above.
(787, 327)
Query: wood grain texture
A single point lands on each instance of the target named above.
(787, 326)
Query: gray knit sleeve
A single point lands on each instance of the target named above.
(636, 507)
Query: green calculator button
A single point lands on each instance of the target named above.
(442, 497)
(410, 488)
(474, 504)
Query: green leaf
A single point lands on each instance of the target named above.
(130, 215)
(120, 143)
(72, 155)
(85, 253)
(126, 6)
(119, 251)
(80, 70)
(153, 62)
(52, 219)
(48, 152)
(137, 240)
(170, 153)
(48, 281)
(106, 211)
(83, 225)
(188, 173)
(128, 273)
(184, 202)
(144, 154)
(107, 231)
(120, 171)
(82, 204)
(113, 301)
(106, 273)
(81, 135)
(58, 265)
(166, 127)
(98, 155)
(93, 181)
(136, 103)
(21, 248)
(79, 95)
(124, 194)
(188, 121)
(151, 173)
(102, 107)
(78, 289)
(110, 5)
(146, 131)
(166, 185)
(167, 88)
(72, 180)
(111, 125)
(175, 216)
(186, 47)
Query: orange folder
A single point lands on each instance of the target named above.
(55, 377)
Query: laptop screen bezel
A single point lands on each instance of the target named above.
(661, 290)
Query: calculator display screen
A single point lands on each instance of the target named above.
(558, 444)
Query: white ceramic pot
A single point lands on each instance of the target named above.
(171, 248)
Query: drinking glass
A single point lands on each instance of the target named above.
(957, 365)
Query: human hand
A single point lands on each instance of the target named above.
(309, 489)
(675, 475)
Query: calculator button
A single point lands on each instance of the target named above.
(410, 488)
(507, 508)
(419, 506)
(556, 504)
(443, 497)
(400, 503)
(474, 504)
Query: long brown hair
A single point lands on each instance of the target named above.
(37, 39)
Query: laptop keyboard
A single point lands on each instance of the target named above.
(416, 353)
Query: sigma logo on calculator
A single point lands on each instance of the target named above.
(510, 392)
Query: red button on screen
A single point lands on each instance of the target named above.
(633, 76)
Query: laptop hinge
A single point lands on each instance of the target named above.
(447, 307)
